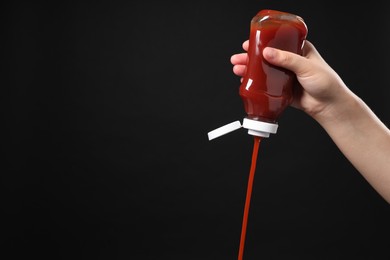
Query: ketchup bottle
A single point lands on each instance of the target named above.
(267, 90)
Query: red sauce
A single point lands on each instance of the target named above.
(248, 196)
(267, 90)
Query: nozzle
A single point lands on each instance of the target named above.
(259, 128)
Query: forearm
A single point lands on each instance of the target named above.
(362, 138)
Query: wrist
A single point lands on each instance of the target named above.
(346, 107)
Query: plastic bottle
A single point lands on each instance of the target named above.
(267, 90)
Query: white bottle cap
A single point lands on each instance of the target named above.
(224, 130)
(255, 127)
(259, 128)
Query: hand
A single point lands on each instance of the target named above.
(351, 124)
(319, 85)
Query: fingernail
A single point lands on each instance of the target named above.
(269, 53)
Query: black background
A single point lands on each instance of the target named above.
(106, 108)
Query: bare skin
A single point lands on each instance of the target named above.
(359, 134)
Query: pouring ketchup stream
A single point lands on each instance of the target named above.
(248, 196)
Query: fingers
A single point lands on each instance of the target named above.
(239, 70)
(239, 62)
(291, 61)
(245, 45)
(239, 59)
(294, 62)
(288, 60)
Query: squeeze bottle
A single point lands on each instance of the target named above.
(266, 90)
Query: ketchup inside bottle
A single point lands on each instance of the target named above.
(267, 90)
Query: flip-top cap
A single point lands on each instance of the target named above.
(224, 130)
(259, 128)
(255, 127)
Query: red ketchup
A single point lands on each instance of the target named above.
(267, 90)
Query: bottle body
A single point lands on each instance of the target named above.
(266, 90)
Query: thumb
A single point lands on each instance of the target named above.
(288, 60)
